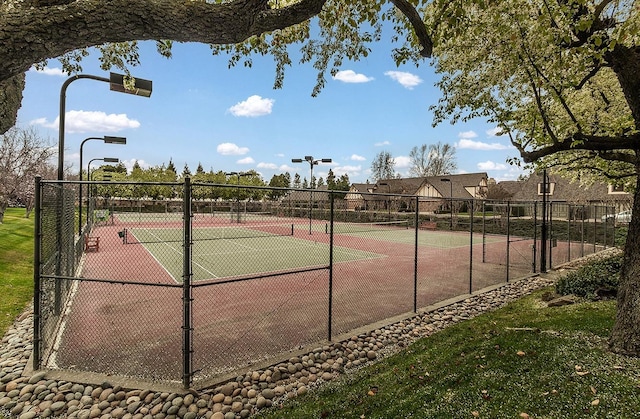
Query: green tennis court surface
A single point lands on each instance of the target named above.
(218, 257)
(400, 232)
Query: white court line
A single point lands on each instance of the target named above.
(178, 251)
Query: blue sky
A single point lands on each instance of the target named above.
(233, 120)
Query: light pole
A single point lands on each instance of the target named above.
(388, 197)
(104, 159)
(107, 140)
(141, 87)
(312, 162)
(451, 201)
(238, 175)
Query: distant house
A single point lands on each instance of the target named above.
(563, 190)
(431, 190)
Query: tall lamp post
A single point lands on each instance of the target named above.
(238, 175)
(107, 140)
(141, 87)
(312, 162)
(104, 159)
(451, 201)
(388, 197)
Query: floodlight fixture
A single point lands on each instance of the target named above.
(115, 140)
(141, 87)
(312, 162)
(108, 139)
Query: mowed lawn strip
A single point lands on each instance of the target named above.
(16, 265)
(524, 360)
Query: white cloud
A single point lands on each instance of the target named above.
(402, 161)
(253, 106)
(381, 143)
(479, 145)
(39, 121)
(356, 157)
(129, 164)
(407, 80)
(494, 132)
(350, 76)
(351, 171)
(48, 71)
(286, 168)
(489, 165)
(90, 121)
(467, 134)
(230, 149)
(246, 160)
(268, 166)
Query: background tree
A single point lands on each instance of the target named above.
(279, 181)
(343, 183)
(432, 160)
(561, 80)
(297, 183)
(23, 155)
(383, 166)
(331, 180)
(186, 171)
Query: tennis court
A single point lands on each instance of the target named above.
(222, 252)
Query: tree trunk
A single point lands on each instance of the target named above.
(625, 335)
(3, 207)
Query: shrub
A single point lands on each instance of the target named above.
(603, 273)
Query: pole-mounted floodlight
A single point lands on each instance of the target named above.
(312, 162)
(238, 175)
(107, 140)
(140, 87)
(451, 201)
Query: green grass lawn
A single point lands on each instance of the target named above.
(525, 360)
(16, 265)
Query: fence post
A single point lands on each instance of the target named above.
(484, 233)
(330, 308)
(508, 236)
(187, 320)
(569, 233)
(582, 231)
(37, 245)
(535, 237)
(551, 236)
(543, 232)
(415, 256)
(471, 248)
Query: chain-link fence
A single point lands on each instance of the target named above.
(207, 279)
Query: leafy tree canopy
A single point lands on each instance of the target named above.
(32, 31)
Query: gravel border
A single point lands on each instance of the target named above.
(26, 395)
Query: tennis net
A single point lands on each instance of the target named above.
(167, 235)
(346, 228)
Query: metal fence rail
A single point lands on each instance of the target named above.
(195, 286)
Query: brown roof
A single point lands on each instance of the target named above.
(563, 190)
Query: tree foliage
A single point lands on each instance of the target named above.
(23, 155)
(383, 166)
(432, 160)
(32, 31)
(561, 79)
